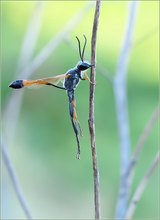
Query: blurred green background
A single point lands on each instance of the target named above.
(43, 148)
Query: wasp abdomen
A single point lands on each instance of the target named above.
(18, 84)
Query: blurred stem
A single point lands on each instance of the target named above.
(91, 120)
(15, 100)
(119, 86)
(15, 182)
(141, 187)
(31, 36)
(27, 50)
(145, 37)
(140, 144)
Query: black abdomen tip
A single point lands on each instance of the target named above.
(18, 84)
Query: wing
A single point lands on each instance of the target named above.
(18, 84)
(45, 81)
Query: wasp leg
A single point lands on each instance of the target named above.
(73, 116)
(80, 129)
(77, 138)
(75, 126)
(87, 78)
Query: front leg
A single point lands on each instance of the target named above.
(86, 78)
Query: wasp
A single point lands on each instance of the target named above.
(70, 80)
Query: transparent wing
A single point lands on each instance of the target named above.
(38, 83)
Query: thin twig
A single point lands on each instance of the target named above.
(10, 116)
(141, 141)
(105, 72)
(145, 37)
(141, 187)
(15, 182)
(120, 93)
(31, 36)
(91, 120)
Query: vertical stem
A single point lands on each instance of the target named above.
(120, 92)
(91, 120)
(27, 50)
(140, 144)
(15, 182)
(31, 37)
(141, 187)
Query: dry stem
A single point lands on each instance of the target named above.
(120, 91)
(140, 189)
(15, 182)
(141, 141)
(91, 120)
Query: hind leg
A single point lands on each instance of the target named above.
(77, 138)
(75, 125)
(75, 116)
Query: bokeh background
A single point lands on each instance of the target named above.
(42, 145)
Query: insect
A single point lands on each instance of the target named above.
(70, 80)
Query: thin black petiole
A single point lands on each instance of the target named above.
(59, 87)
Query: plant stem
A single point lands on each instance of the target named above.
(91, 120)
(120, 92)
(141, 187)
(15, 182)
(140, 144)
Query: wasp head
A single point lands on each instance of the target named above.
(84, 65)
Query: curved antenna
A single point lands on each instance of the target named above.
(84, 46)
(79, 46)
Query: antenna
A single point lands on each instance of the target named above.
(84, 46)
(79, 46)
